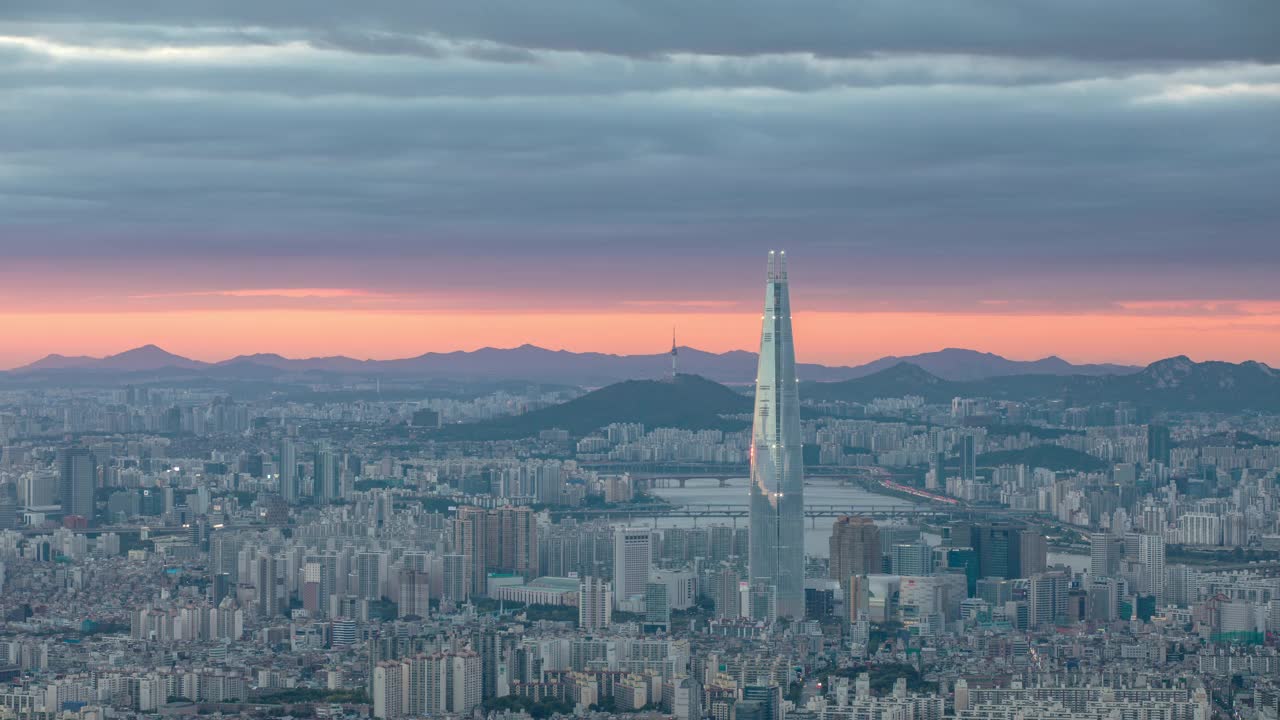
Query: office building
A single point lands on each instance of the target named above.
(912, 558)
(768, 698)
(290, 488)
(1001, 546)
(1033, 552)
(1158, 444)
(1104, 555)
(77, 479)
(657, 606)
(1047, 597)
(968, 451)
(632, 556)
(855, 549)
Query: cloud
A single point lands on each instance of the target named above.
(1200, 30)
(350, 293)
(1057, 154)
(1183, 93)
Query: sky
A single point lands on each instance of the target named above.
(1093, 179)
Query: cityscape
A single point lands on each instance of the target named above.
(179, 540)
(381, 361)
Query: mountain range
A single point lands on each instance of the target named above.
(1176, 383)
(695, 402)
(529, 362)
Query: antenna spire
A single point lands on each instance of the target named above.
(777, 266)
(674, 352)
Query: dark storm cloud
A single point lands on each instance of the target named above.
(1136, 29)
(1115, 149)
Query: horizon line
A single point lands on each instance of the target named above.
(663, 352)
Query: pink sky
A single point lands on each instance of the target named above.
(1138, 335)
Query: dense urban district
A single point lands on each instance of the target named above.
(264, 538)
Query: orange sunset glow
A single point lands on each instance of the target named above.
(826, 337)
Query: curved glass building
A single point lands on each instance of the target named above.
(777, 471)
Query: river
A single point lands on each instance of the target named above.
(817, 492)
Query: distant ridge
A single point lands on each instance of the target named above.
(1176, 383)
(530, 362)
(962, 364)
(147, 357)
(687, 401)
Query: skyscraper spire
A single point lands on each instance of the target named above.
(777, 473)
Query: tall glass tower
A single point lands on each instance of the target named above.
(777, 471)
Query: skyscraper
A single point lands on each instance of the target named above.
(77, 475)
(288, 472)
(371, 573)
(1104, 555)
(1151, 557)
(516, 532)
(470, 539)
(632, 556)
(1047, 594)
(855, 549)
(968, 458)
(327, 486)
(1033, 552)
(415, 593)
(1158, 443)
(776, 555)
(1000, 547)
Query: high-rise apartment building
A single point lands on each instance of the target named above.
(454, 578)
(470, 539)
(415, 593)
(388, 690)
(1151, 575)
(371, 573)
(776, 556)
(727, 593)
(517, 547)
(595, 604)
